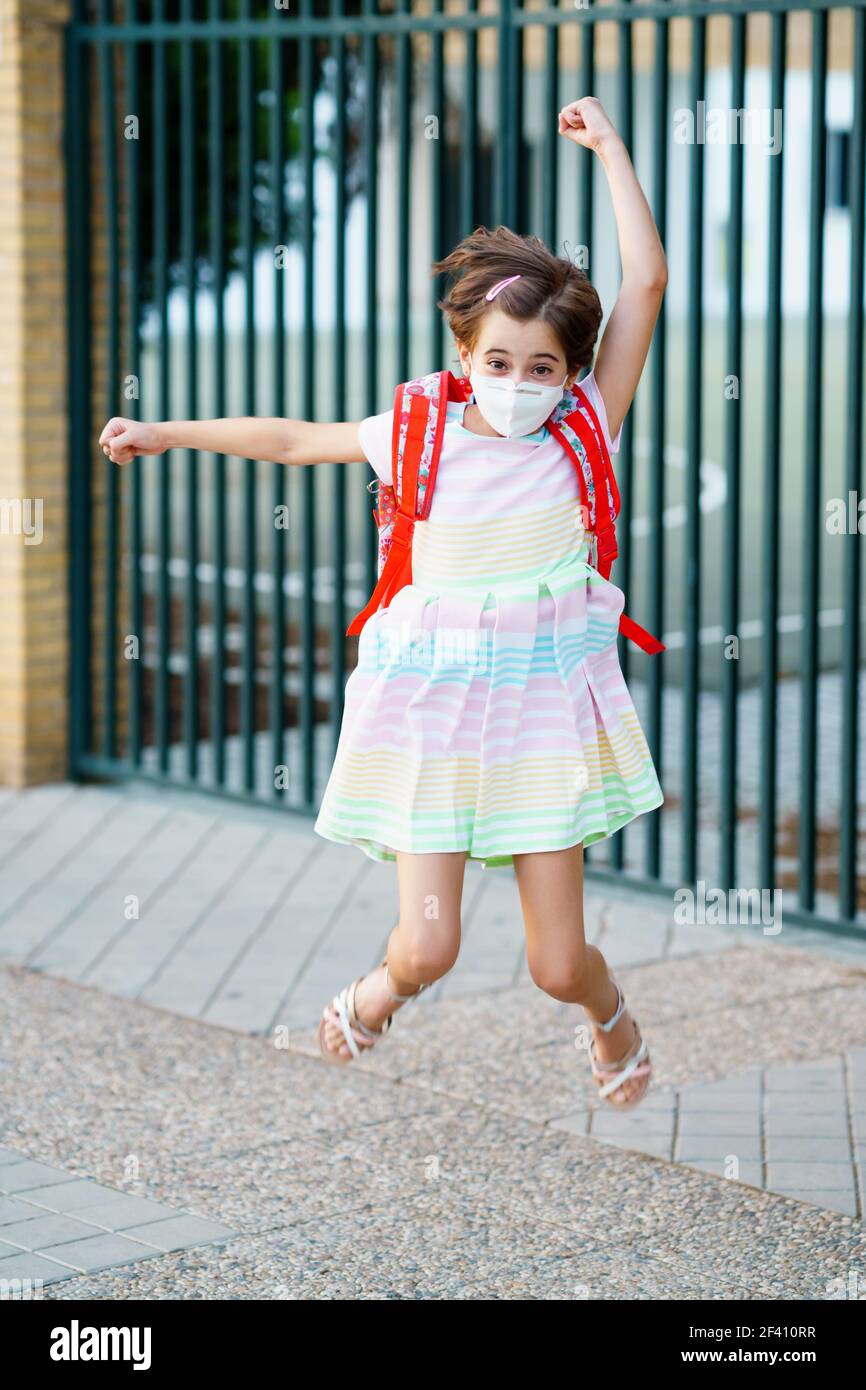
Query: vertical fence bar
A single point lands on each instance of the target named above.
(338, 411)
(278, 474)
(404, 149)
(78, 305)
(812, 509)
(136, 606)
(518, 181)
(469, 142)
(247, 154)
(506, 195)
(587, 186)
(691, 672)
(772, 480)
(307, 480)
(160, 283)
(217, 259)
(731, 567)
(371, 180)
(625, 470)
(658, 352)
(854, 452)
(188, 215)
(437, 89)
(112, 349)
(586, 195)
(550, 147)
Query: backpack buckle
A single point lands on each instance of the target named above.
(607, 546)
(404, 526)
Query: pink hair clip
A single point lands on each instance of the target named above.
(491, 294)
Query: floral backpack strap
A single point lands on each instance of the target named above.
(583, 422)
(416, 443)
(577, 426)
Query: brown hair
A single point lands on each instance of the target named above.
(550, 287)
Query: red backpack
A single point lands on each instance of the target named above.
(416, 443)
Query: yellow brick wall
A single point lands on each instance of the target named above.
(34, 697)
(33, 457)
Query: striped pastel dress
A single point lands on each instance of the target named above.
(488, 712)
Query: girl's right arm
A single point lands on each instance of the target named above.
(272, 440)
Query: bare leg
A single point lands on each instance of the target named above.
(422, 947)
(560, 960)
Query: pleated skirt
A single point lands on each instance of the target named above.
(491, 721)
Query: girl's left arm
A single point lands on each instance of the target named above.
(625, 342)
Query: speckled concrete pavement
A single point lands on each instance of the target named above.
(452, 1163)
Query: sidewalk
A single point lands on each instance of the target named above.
(170, 1131)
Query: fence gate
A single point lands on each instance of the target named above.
(255, 194)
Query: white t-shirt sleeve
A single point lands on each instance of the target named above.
(374, 433)
(589, 386)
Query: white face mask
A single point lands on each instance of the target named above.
(514, 408)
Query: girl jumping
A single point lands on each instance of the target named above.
(487, 716)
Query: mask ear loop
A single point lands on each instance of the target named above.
(467, 382)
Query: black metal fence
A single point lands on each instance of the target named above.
(255, 194)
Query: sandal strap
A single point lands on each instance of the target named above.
(351, 1015)
(351, 1025)
(620, 1009)
(401, 997)
(611, 1066)
(639, 1065)
(341, 1008)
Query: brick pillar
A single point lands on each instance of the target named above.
(33, 456)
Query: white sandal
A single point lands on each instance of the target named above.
(342, 1011)
(637, 1065)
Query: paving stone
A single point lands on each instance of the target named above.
(736, 1087)
(719, 1103)
(789, 1124)
(808, 1148)
(696, 1147)
(751, 1173)
(806, 1103)
(71, 1196)
(41, 1231)
(21, 1177)
(97, 1252)
(23, 1265)
(13, 1209)
(858, 1127)
(117, 1215)
(659, 1101)
(654, 1144)
(728, 1123)
(782, 1175)
(180, 1232)
(605, 1123)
